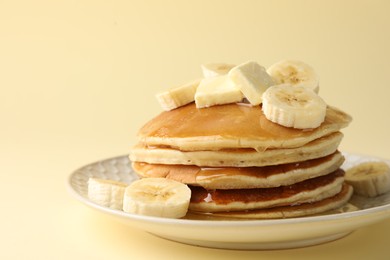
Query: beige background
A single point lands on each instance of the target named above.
(78, 78)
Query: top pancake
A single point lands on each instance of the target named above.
(231, 126)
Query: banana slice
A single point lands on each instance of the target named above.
(296, 107)
(178, 96)
(252, 80)
(296, 73)
(158, 197)
(106, 193)
(370, 178)
(216, 91)
(211, 70)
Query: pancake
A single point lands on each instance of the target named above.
(242, 177)
(311, 190)
(305, 209)
(237, 157)
(231, 126)
(239, 164)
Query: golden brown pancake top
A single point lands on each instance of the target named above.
(231, 120)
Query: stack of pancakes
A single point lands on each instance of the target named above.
(239, 164)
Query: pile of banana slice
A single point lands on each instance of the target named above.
(288, 91)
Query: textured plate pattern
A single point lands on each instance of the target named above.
(117, 169)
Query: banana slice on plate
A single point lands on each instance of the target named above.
(293, 106)
(370, 178)
(211, 70)
(296, 73)
(178, 96)
(107, 193)
(158, 197)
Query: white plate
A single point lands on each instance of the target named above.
(237, 234)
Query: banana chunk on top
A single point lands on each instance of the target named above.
(211, 70)
(216, 91)
(296, 73)
(290, 106)
(225, 83)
